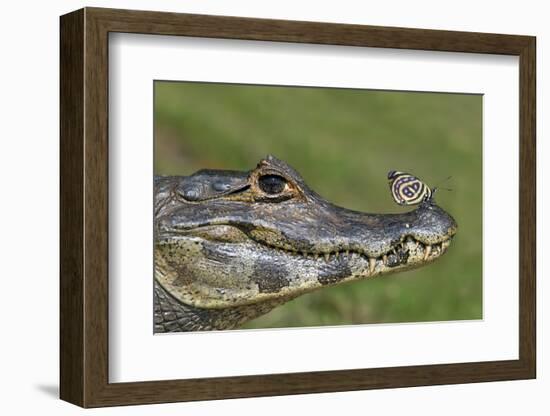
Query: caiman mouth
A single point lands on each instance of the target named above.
(219, 266)
(407, 250)
(397, 255)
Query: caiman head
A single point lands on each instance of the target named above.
(230, 246)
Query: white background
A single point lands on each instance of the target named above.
(136, 60)
(29, 217)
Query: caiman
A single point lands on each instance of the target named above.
(231, 246)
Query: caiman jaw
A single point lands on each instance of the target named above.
(409, 251)
(222, 265)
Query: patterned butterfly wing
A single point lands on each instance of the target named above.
(407, 189)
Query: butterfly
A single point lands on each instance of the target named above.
(407, 189)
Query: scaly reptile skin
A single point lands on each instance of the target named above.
(231, 246)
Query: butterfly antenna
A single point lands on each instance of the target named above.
(437, 187)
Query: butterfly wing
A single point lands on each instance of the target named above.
(407, 189)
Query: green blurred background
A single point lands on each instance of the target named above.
(343, 142)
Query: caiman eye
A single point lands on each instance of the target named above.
(272, 184)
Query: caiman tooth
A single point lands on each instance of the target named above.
(347, 253)
(327, 256)
(385, 259)
(372, 264)
(427, 252)
(316, 256)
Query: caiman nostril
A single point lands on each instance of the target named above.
(221, 186)
(190, 194)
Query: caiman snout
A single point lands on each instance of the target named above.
(384, 242)
(415, 238)
(433, 225)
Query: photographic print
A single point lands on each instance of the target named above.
(282, 206)
(286, 185)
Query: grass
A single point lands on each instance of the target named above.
(343, 142)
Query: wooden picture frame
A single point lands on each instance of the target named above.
(84, 207)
